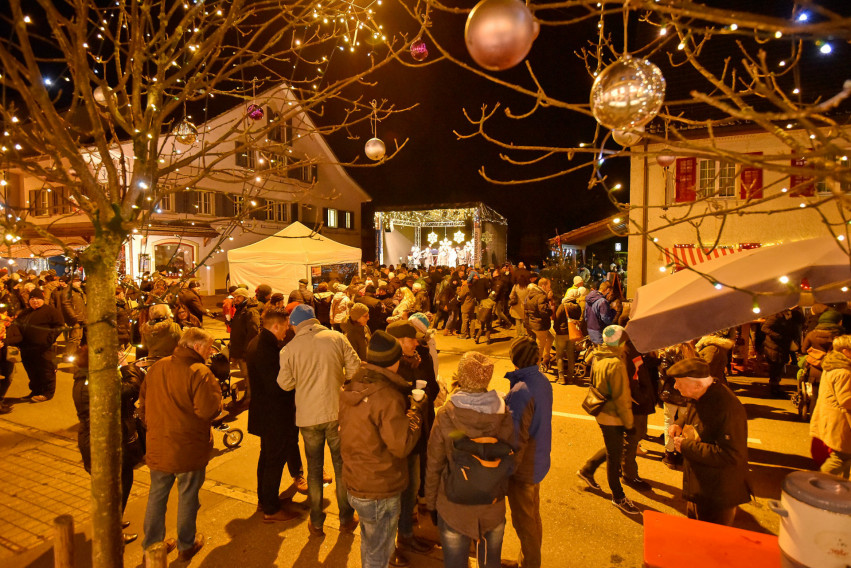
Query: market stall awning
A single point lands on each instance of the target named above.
(725, 292)
(688, 255)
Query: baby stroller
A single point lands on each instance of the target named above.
(582, 369)
(136, 371)
(220, 366)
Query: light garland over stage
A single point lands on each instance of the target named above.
(466, 219)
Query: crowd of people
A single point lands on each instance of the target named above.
(354, 367)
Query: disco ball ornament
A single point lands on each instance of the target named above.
(374, 149)
(255, 112)
(186, 132)
(419, 50)
(627, 94)
(630, 137)
(665, 160)
(499, 33)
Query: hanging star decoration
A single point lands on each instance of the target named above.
(446, 243)
(432, 238)
(459, 237)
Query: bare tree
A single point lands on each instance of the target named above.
(98, 99)
(745, 69)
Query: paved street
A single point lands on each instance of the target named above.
(43, 477)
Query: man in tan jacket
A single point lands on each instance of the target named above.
(178, 401)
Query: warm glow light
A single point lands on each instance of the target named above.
(784, 279)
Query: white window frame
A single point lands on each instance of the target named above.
(277, 211)
(205, 202)
(166, 203)
(711, 176)
(332, 218)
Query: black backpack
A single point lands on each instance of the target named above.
(479, 471)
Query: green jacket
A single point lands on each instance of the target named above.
(608, 375)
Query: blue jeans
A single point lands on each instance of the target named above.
(188, 486)
(314, 449)
(378, 521)
(456, 546)
(409, 496)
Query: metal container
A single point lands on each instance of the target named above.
(815, 523)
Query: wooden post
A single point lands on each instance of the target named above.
(156, 556)
(63, 541)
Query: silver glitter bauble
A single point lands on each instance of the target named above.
(627, 94)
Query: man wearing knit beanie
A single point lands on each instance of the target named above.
(316, 363)
(377, 432)
(416, 365)
(531, 404)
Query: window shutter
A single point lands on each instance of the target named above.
(799, 186)
(751, 181)
(293, 212)
(685, 180)
(325, 219)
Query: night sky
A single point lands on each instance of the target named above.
(436, 167)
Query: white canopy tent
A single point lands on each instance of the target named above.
(284, 258)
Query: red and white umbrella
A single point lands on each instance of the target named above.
(725, 292)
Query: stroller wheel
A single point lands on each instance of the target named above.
(232, 438)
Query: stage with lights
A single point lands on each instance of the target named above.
(446, 234)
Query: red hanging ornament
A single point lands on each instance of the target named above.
(255, 112)
(419, 50)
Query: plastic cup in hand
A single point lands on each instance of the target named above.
(421, 384)
(418, 394)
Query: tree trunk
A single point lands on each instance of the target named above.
(105, 399)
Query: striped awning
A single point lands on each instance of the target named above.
(680, 256)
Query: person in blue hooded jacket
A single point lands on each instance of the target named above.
(531, 403)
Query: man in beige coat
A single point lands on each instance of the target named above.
(178, 401)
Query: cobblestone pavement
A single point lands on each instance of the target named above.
(43, 478)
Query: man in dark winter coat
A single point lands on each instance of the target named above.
(416, 365)
(643, 390)
(712, 435)
(244, 326)
(271, 416)
(303, 294)
(377, 309)
(539, 312)
(598, 313)
(74, 312)
(531, 404)
(191, 299)
(780, 331)
(40, 325)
